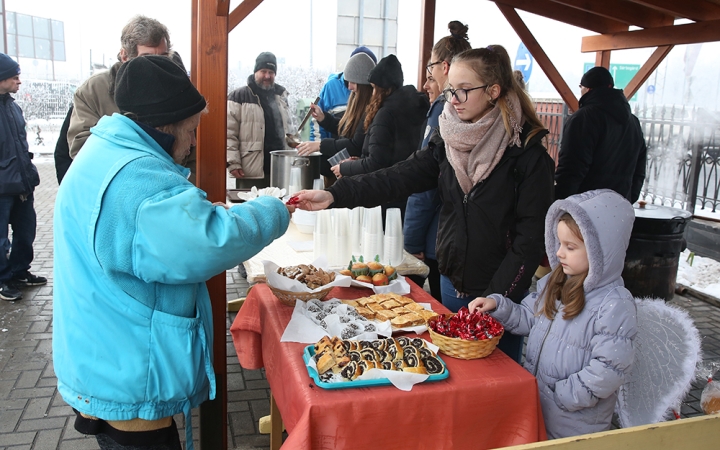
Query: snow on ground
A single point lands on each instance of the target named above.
(703, 275)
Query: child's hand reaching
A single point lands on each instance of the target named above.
(483, 304)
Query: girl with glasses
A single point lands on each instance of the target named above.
(423, 209)
(495, 180)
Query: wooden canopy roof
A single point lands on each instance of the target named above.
(618, 24)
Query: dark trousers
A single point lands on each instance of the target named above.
(20, 215)
(433, 279)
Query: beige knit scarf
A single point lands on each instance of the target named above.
(474, 149)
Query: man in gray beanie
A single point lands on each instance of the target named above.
(134, 243)
(18, 178)
(258, 117)
(602, 144)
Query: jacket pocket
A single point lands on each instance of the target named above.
(178, 353)
(252, 163)
(11, 179)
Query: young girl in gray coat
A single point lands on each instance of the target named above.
(581, 323)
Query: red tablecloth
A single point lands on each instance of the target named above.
(484, 403)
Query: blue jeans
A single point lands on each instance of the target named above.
(510, 344)
(20, 215)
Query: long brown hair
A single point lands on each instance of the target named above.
(568, 289)
(358, 101)
(492, 66)
(378, 97)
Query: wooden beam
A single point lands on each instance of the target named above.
(691, 33)
(571, 16)
(427, 35)
(539, 54)
(602, 59)
(646, 70)
(694, 433)
(223, 7)
(697, 10)
(212, 78)
(628, 12)
(241, 11)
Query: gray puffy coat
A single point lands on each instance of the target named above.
(580, 363)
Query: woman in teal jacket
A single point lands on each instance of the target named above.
(134, 244)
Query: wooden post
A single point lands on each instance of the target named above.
(210, 60)
(602, 59)
(427, 36)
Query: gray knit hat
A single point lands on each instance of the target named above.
(358, 68)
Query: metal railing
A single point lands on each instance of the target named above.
(683, 165)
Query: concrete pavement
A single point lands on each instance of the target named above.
(34, 416)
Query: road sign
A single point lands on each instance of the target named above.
(622, 74)
(524, 62)
(651, 89)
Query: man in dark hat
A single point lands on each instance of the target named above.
(135, 242)
(18, 178)
(602, 143)
(258, 117)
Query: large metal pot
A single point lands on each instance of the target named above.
(283, 162)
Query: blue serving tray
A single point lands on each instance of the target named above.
(309, 352)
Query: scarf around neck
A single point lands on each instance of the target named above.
(474, 149)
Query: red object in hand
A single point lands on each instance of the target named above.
(465, 325)
(293, 200)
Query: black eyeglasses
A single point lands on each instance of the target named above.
(430, 65)
(460, 94)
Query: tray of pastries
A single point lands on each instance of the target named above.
(340, 363)
(401, 311)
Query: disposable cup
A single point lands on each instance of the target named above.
(356, 221)
(318, 184)
(335, 159)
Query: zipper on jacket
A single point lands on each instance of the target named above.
(542, 344)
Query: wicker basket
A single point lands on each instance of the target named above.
(464, 349)
(289, 298)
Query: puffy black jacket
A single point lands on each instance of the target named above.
(490, 240)
(330, 146)
(394, 134)
(18, 175)
(602, 147)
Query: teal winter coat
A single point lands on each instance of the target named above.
(134, 244)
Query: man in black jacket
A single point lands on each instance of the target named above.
(18, 178)
(602, 143)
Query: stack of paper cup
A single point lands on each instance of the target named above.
(394, 242)
(339, 251)
(372, 239)
(321, 235)
(356, 230)
(295, 180)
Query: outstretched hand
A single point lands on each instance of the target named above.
(482, 304)
(313, 200)
(308, 147)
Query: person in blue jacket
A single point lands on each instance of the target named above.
(135, 242)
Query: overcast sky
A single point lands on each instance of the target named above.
(287, 28)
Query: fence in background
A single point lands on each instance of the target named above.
(683, 152)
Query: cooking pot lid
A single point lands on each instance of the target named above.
(660, 212)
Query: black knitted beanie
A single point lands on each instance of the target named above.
(387, 74)
(156, 91)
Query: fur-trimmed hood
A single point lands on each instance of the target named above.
(605, 219)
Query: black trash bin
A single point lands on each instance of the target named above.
(657, 239)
